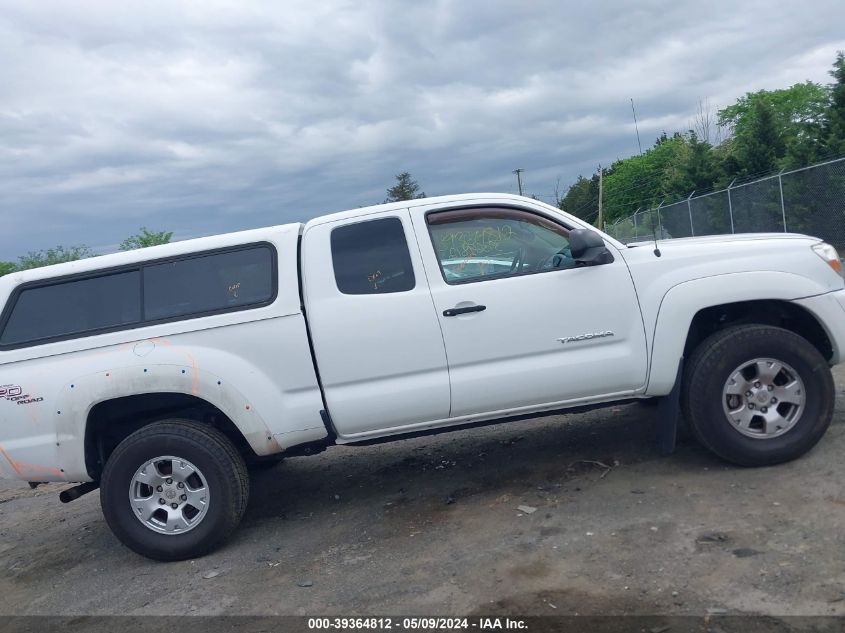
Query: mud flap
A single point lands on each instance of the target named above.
(668, 412)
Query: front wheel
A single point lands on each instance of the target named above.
(174, 490)
(757, 395)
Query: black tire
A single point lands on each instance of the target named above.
(710, 367)
(211, 452)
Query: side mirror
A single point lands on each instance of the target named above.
(587, 248)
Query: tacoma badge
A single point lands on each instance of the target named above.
(585, 337)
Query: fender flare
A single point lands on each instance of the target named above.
(79, 396)
(683, 301)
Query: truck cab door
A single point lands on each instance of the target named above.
(526, 327)
(376, 337)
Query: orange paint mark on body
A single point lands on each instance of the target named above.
(196, 381)
(24, 470)
(11, 461)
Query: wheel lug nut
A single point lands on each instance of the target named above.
(158, 488)
(764, 409)
(174, 505)
(750, 405)
(161, 502)
(757, 384)
(169, 481)
(180, 485)
(769, 387)
(184, 497)
(748, 394)
(774, 400)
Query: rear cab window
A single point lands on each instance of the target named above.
(372, 257)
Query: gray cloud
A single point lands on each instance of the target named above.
(214, 116)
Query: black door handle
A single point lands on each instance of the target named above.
(457, 311)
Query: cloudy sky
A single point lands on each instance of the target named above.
(208, 116)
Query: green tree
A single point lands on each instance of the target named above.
(701, 166)
(644, 181)
(581, 199)
(406, 188)
(760, 145)
(834, 124)
(689, 165)
(794, 118)
(50, 256)
(673, 168)
(145, 238)
(7, 267)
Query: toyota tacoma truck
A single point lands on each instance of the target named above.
(161, 375)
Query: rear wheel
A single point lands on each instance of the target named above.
(174, 490)
(757, 395)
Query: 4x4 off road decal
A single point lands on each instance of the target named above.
(14, 393)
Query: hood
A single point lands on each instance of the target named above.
(722, 238)
(685, 259)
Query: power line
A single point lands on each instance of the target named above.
(638, 185)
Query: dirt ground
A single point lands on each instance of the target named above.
(433, 526)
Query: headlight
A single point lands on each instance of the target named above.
(828, 254)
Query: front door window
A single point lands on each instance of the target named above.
(479, 244)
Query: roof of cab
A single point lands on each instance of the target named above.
(468, 198)
(123, 258)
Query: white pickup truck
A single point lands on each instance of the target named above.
(159, 375)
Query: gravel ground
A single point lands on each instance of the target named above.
(433, 526)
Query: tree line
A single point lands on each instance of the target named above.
(763, 132)
(61, 254)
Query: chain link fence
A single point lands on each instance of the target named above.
(810, 200)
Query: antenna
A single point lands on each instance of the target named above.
(657, 252)
(600, 222)
(636, 127)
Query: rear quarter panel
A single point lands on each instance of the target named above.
(254, 365)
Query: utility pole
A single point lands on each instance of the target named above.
(518, 173)
(600, 218)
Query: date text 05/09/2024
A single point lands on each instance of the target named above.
(417, 624)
